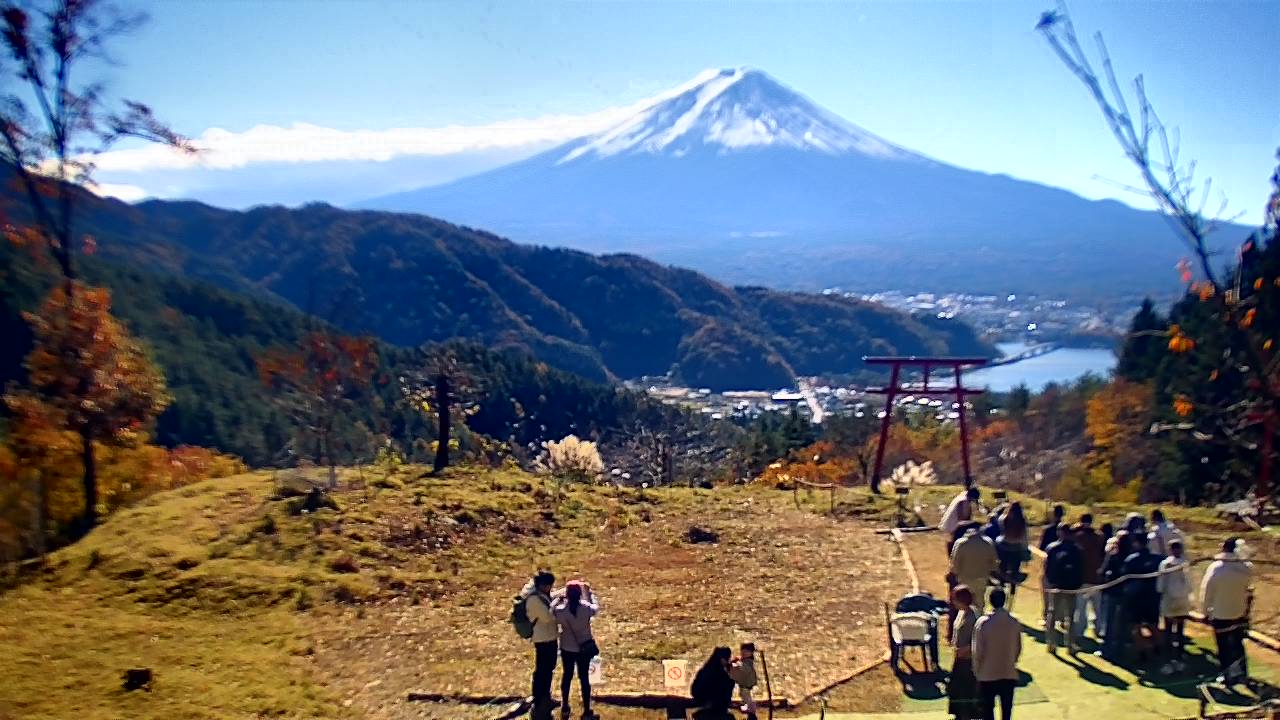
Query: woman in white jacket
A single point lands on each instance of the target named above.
(1174, 587)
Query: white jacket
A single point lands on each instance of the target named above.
(1174, 587)
(538, 607)
(1161, 536)
(957, 512)
(1225, 591)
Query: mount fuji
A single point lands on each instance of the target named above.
(741, 177)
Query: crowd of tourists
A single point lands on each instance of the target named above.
(1130, 585)
(558, 624)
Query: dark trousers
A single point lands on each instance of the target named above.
(1002, 689)
(1118, 630)
(571, 661)
(544, 670)
(1230, 635)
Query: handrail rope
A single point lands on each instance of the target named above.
(1092, 589)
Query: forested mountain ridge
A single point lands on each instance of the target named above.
(207, 341)
(410, 279)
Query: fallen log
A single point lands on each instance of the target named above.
(645, 700)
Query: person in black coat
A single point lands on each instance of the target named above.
(1064, 572)
(712, 687)
(1115, 632)
(1142, 595)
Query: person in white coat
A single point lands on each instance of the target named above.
(1163, 534)
(960, 511)
(1174, 587)
(1226, 595)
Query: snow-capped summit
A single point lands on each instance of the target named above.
(728, 110)
(737, 175)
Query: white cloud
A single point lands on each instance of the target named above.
(127, 193)
(303, 142)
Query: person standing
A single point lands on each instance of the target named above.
(997, 645)
(573, 613)
(537, 601)
(712, 687)
(1175, 604)
(1011, 545)
(1050, 534)
(1092, 554)
(973, 559)
(959, 512)
(1064, 573)
(743, 672)
(1047, 538)
(1163, 534)
(962, 685)
(1141, 594)
(1226, 594)
(1116, 628)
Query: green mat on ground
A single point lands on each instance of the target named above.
(927, 693)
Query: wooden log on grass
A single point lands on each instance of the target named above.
(646, 700)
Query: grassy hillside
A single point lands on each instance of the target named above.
(244, 607)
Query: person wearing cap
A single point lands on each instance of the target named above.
(1115, 629)
(1226, 594)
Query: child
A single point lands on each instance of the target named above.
(743, 672)
(1175, 604)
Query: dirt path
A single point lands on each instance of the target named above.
(808, 588)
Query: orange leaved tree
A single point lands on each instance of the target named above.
(92, 376)
(316, 381)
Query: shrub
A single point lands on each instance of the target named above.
(571, 459)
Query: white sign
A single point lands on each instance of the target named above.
(675, 673)
(595, 671)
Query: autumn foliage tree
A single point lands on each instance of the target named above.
(91, 376)
(1227, 328)
(316, 382)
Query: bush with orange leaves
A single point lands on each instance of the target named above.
(817, 463)
(41, 493)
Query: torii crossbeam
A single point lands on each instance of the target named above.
(896, 387)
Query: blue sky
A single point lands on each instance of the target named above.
(969, 83)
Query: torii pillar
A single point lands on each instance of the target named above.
(897, 387)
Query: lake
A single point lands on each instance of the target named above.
(1062, 365)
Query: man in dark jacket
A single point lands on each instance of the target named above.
(1116, 627)
(1064, 572)
(1050, 535)
(1092, 553)
(1142, 595)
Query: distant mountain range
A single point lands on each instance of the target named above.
(740, 177)
(411, 279)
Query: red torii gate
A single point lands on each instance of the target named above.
(895, 388)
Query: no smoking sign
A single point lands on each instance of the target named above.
(675, 673)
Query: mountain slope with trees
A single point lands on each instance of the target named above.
(410, 279)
